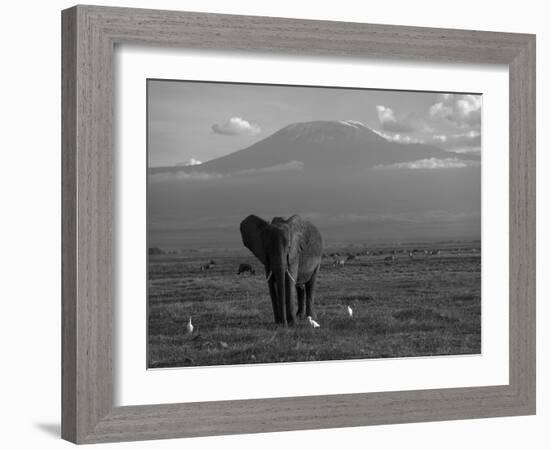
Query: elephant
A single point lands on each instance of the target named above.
(291, 251)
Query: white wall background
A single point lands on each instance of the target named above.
(31, 209)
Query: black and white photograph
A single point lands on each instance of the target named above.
(311, 223)
(275, 225)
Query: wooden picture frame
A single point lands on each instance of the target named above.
(89, 37)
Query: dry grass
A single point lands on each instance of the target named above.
(428, 305)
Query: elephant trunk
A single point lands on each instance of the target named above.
(279, 275)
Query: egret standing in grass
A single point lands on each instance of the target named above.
(313, 323)
(189, 326)
(350, 312)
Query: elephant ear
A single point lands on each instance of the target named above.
(251, 233)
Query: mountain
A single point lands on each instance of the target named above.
(337, 186)
(318, 145)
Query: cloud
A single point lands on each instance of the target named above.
(471, 138)
(189, 162)
(462, 110)
(398, 137)
(201, 176)
(292, 165)
(236, 126)
(389, 122)
(192, 176)
(431, 163)
(459, 142)
(353, 124)
(469, 142)
(476, 150)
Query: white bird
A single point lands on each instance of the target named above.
(312, 322)
(350, 311)
(190, 326)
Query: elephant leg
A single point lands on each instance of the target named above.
(300, 297)
(281, 289)
(310, 293)
(273, 295)
(290, 288)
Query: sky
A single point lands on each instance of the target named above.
(415, 198)
(194, 122)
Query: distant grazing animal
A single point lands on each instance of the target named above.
(212, 262)
(411, 255)
(434, 252)
(246, 268)
(389, 259)
(338, 262)
(350, 257)
(189, 328)
(350, 311)
(312, 322)
(206, 266)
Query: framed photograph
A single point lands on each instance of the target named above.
(278, 224)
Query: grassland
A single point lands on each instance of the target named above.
(429, 304)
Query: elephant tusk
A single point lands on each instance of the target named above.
(269, 275)
(291, 277)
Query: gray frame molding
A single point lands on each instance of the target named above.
(89, 36)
